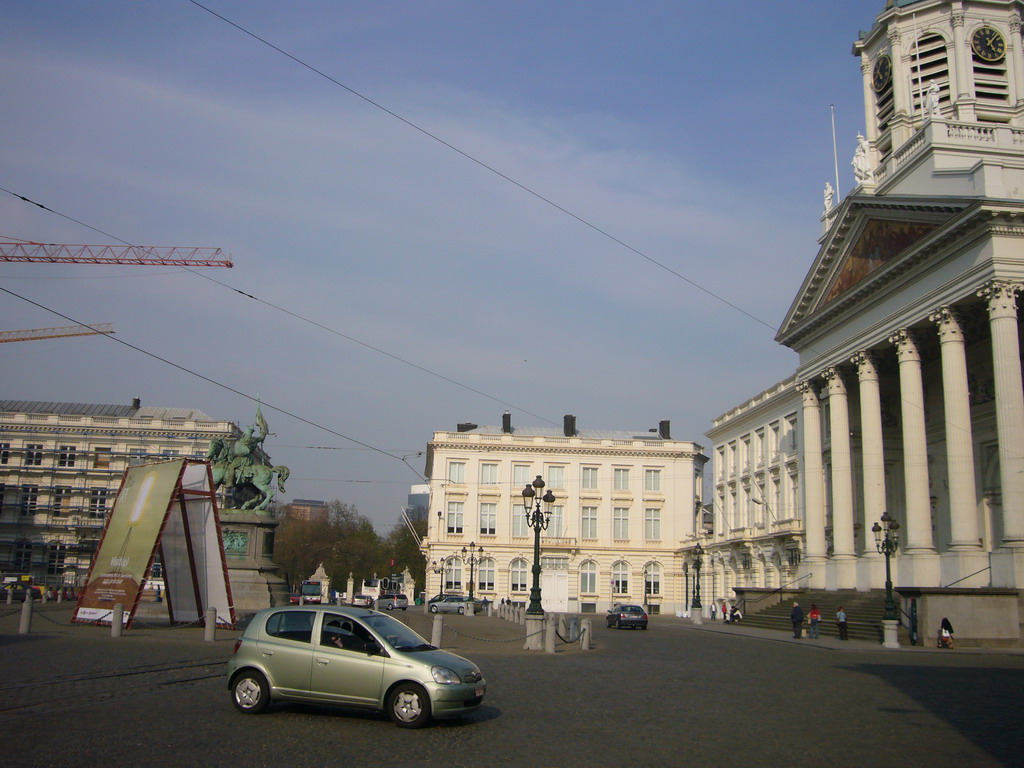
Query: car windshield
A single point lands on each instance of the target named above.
(396, 634)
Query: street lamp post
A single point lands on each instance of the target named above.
(696, 607)
(538, 520)
(887, 542)
(473, 559)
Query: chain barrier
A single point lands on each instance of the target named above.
(517, 639)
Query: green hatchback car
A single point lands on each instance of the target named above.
(354, 657)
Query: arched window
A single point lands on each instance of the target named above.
(652, 579)
(620, 578)
(21, 556)
(453, 574)
(588, 578)
(485, 575)
(55, 554)
(518, 572)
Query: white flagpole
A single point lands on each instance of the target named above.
(835, 152)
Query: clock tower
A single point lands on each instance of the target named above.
(944, 99)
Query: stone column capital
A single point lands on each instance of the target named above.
(834, 376)
(1001, 296)
(949, 325)
(958, 18)
(867, 369)
(906, 345)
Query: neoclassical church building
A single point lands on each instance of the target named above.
(908, 395)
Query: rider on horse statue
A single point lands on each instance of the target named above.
(238, 466)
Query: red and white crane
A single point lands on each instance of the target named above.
(150, 255)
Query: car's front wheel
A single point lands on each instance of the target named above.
(250, 692)
(433, 609)
(462, 609)
(409, 706)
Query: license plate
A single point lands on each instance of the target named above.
(479, 691)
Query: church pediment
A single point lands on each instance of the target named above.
(869, 238)
(881, 241)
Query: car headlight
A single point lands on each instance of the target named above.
(444, 676)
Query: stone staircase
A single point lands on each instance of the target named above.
(863, 612)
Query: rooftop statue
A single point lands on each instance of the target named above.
(239, 468)
(861, 164)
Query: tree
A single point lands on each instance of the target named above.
(343, 540)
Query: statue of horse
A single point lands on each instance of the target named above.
(240, 474)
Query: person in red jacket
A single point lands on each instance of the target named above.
(815, 618)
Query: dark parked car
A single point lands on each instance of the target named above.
(320, 654)
(627, 616)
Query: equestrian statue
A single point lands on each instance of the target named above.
(240, 467)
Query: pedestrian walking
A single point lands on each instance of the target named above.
(946, 633)
(841, 623)
(797, 617)
(725, 612)
(814, 616)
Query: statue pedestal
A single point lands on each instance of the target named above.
(249, 546)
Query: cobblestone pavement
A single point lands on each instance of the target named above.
(677, 694)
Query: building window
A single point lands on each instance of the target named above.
(652, 579)
(652, 480)
(588, 523)
(588, 478)
(29, 499)
(61, 500)
(137, 456)
(66, 456)
(33, 454)
(521, 477)
(453, 575)
(5, 453)
(101, 458)
(457, 472)
(488, 474)
(488, 518)
(21, 556)
(621, 476)
(55, 554)
(588, 578)
(652, 524)
(519, 526)
(456, 513)
(620, 578)
(518, 572)
(485, 575)
(556, 526)
(98, 502)
(556, 477)
(620, 523)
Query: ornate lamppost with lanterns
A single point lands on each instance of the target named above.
(538, 519)
(472, 557)
(696, 607)
(887, 543)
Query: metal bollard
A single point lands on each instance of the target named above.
(436, 630)
(585, 629)
(211, 625)
(10, 596)
(26, 616)
(60, 597)
(117, 621)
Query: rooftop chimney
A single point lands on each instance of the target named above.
(569, 425)
(664, 430)
(136, 403)
(466, 426)
(506, 423)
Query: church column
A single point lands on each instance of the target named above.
(814, 487)
(870, 118)
(1002, 310)
(917, 544)
(843, 553)
(965, 556)
(1018, 61)
(962, 74)
(963, 501)
(873, 453)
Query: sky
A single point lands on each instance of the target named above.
(437, 211)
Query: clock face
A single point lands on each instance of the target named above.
(988, 44)
(881, 76)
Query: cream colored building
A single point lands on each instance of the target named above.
(61, 466)
(625, 501)
(908, 331)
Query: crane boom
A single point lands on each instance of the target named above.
(33, 334)
(60, 253)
